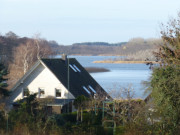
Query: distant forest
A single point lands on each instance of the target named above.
(100, 44)
(136, 48)
(10, 41)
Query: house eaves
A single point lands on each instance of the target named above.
(26, 75)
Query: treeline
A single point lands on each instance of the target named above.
(100, 44)
(102, 48)
(10, 41)
(7, 45)
(132, 47)
(19, 54)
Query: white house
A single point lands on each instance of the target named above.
(61, 79)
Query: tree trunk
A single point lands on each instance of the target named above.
(77, 115)
(81, 115)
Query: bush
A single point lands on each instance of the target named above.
(71, 117)
(2, 121)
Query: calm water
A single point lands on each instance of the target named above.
(120, 75)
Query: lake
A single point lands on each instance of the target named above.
(120, 75)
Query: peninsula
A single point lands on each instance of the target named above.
(119, 62)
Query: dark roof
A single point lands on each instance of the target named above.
(76, 79)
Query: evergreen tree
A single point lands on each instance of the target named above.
(3, 93)
(3, 84)
(165, 80)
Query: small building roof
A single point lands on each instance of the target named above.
(80, 81)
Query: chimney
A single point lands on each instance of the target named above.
(64, 57)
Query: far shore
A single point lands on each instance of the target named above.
(119, 62)
(93, 54)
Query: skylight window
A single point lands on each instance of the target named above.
(92, 88)
(86, 90)
(76, 68)
(72, 68)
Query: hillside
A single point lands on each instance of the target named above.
(137, 48)
(10, 41)
(7, 45)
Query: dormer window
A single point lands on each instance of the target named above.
(58, 92)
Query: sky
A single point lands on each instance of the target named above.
(74, 21)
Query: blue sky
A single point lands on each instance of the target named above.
(71, 21)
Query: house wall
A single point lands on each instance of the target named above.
(56, 109)
(42, 78)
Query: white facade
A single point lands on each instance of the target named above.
(41, 78)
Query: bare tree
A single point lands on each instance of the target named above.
(126, 107)
(25, 55)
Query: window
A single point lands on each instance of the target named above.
(76, 68)
(91, 88)
(72, 68)
(25, 92)
(58, 92)
(86, 90)
(41, 92)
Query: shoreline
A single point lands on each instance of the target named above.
(125, 62)
(92, 55)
